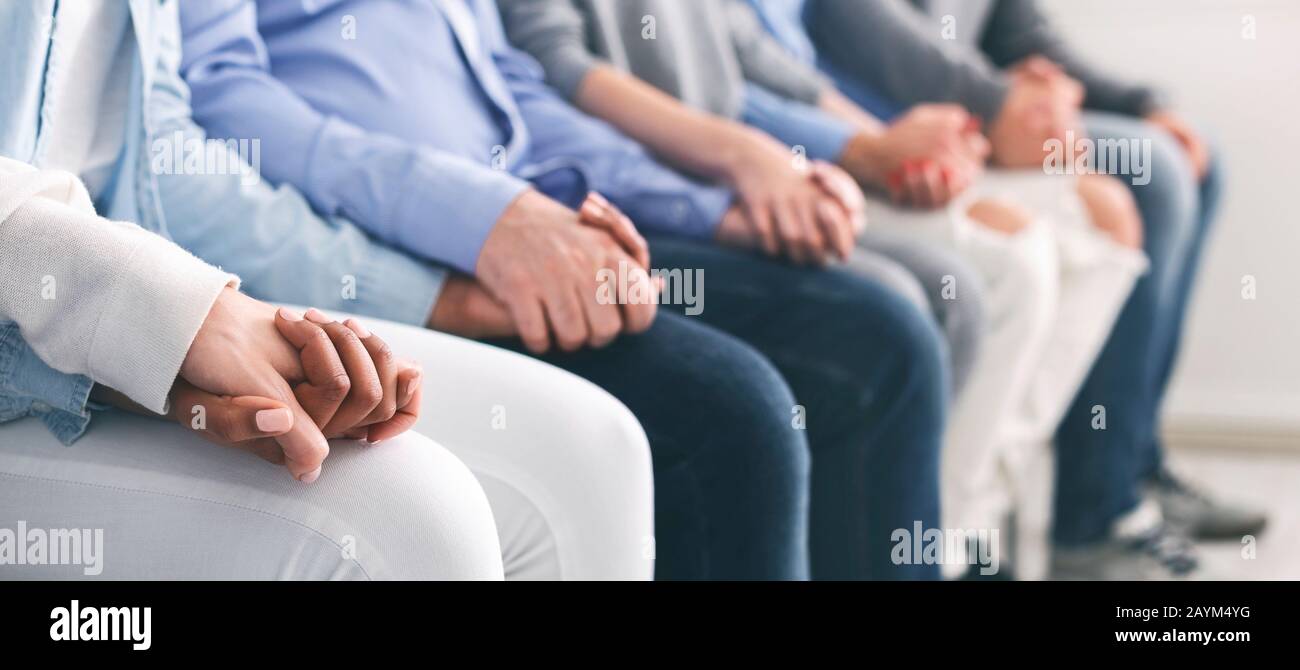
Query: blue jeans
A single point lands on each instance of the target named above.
(1100, 472)
(722, 397)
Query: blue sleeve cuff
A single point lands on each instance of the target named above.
(29, 387)
(822, 136)
(396, 287)
(693, 210)
(439, 205)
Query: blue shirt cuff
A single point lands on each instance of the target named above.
(693, 211)
(447, 218)
(823, 137)
(397, 287)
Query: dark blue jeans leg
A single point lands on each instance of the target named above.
(1151, 453)
(1099, 470)
(731, 474)
(867, 371)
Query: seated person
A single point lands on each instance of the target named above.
(1104, 503)
(1048, 313)
(86, 294)
(463, 155)
(404, 510)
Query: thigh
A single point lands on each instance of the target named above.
(830, 332)
(731, 471)
(950, 286)
(170, 506)
(690, 385)
(556, 453)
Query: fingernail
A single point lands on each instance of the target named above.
(411, 385)
(316, 316)
(289, 315)
(310, 477)
(357, 328)
(274, 420)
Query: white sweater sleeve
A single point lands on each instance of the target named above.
(94, 297)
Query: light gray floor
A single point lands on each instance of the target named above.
(1268, 478)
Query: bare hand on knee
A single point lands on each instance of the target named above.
(545, 265)
(277, 384)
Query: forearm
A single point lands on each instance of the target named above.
(1018, 29)
(85, 291)
(694, 141)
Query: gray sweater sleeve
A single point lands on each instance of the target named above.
(765, 62)
(1018, 29)
(554, 32)
(887, 45)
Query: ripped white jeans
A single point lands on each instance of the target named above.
(1052, 292)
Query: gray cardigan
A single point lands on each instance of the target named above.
(895, 46)
(700, 51)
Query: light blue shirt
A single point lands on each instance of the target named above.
(785, 20)
(270, 237)
(416, 119)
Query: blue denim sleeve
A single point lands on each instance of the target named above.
(29, 387)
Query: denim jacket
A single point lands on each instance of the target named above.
(269, 236)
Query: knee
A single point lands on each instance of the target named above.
(1000, 214)
(1112, 209)
(761, 414)
(1169, 199)
(413, 511)
(597, 439)
(594, 485)
(890, 274)
(911, 338)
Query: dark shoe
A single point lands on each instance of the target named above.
(1197, 514)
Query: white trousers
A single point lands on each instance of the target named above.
(1052, 293)
(565, 469)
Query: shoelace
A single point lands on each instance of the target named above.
(1171, 550)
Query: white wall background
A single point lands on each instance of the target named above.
(1240, 370)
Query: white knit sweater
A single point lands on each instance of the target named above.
(100, 298)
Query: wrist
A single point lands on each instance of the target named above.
(448, 312)
(738, 149)
(865, 156)
(223, 304)
(496, 249)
